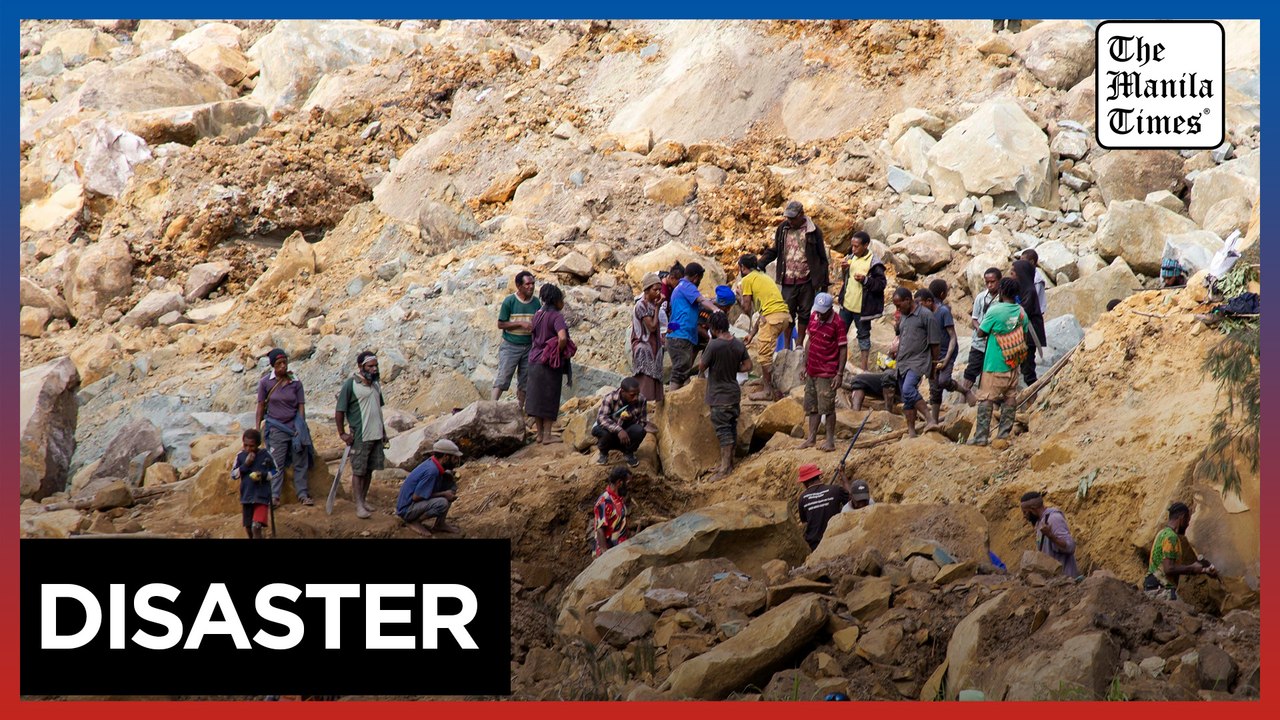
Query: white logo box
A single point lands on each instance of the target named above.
(1161, 84)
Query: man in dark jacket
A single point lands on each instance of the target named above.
(862, 296)
(802, 267)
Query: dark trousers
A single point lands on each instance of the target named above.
(610, 441)
(977, 354)
(1029, 365)
(682, 352)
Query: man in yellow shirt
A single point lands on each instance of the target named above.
(761, 297)
(862, 296)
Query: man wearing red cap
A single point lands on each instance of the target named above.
(818, 503)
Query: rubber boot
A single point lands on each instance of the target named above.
(1008, 412)
(982, 431)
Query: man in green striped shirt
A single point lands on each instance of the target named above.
(360, 404)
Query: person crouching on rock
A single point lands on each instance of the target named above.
(610, 513)
(430, 490)
(620, 422)
(256, 472)
(725, 357)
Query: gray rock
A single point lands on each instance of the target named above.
(674, 222)
(389, 269)
(202, 279)
(1074, 145)
(136, 438)
(926, 251)
(1055, 258)
(151, 307)
(906, 183)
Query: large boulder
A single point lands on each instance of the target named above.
(1194, 250)
(1087, 297)
(996, 151)
(156, 80)
(297, 53)
(666, 256)
(96, 276)
(961, 530)
(687, 443)
(1059, 53)
(1136, 231)
(1134, 174)
(912, 150)
(236, 120)
(203, 278)
(687, 578)
(77, 45)
(47, 409)
(1228, 215)
(1083, 665)
(1061, 334)
(134, 447)
(751, 656)
(1055, 258)
(927, 251)
(444, 391)
(748, 533)
(215, 492)
(1235, 178)
(482, 428)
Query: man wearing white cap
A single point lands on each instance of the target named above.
(824, 365)
(430, 489)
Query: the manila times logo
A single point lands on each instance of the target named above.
(1160, 84)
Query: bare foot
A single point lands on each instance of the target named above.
(828, 446)
(445, 527)
(419, 529)
(552, 441)
(807, 444)
(931, 427)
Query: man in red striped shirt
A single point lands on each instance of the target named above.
(824, 364)
(610, 512)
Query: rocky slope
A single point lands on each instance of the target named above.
(197, 193)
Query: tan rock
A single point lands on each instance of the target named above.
(96, 276)
(870, 598)
(31, 321)
(955, 571)
(687, 442)
(636, 141)
(56, 524)
(1228, 215)
(760, 648)
(1133, 174)
(229, 64)
(1234, 178)
(782, 416)
(667, 255)
(667, 152)
(160, 473)
(51, 212)
(995, 151)
(996, 45)
(296, 258)
(879, 644)
(1059, 53)
(81, 43)
(1136, 231)
(443, 391)
(847, 639)
(32, 295)
(504, 186)
(913, 118)
(676, 190)
(959, 529)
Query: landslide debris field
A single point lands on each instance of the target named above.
(196, 193)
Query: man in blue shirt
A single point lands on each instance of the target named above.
(429, 490)
(682, 333)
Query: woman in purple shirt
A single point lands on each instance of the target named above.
(281, 404)
(547, 364)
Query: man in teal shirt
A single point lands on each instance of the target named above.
(515, 320)
(1000, 380)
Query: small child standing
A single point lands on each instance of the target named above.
(255, 470)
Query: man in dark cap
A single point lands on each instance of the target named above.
(818, 503)
(360, 401)
(802, 264)
(859, 496)
(282, 404)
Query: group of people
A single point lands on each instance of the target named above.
(671, 315)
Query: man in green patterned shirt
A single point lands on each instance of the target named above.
(1170, 555)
